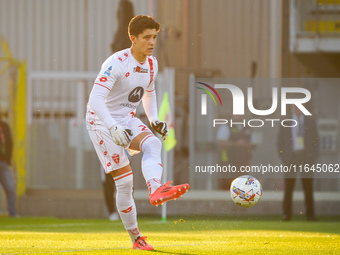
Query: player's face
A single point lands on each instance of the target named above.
(145, 42)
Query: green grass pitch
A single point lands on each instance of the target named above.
(179, 235)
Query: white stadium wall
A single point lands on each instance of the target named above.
(62, 35)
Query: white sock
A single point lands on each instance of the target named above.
(152, 167)
(153, 184)
(134, 234)
(126, 205)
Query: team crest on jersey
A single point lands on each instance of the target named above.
(139, 69)
(115, 158)
(108, 71)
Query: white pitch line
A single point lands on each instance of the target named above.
(102, 249)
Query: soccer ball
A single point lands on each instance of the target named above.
(245, 191)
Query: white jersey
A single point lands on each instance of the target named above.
(119, 88)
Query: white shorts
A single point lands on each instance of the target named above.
(111, 155)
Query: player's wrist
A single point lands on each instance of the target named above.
(110, 122)
(115, 127)
(153, 121)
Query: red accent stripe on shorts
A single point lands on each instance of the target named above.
(141, 143)
(150, 90)
(103, 86)
(122, 176)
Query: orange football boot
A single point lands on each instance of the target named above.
(166, 192)
(141, 244)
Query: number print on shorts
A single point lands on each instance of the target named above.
(143, 127)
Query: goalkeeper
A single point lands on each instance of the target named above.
(126, 78)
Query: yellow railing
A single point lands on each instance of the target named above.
(13, 107)
(322, 26)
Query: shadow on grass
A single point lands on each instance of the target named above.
(168, 252)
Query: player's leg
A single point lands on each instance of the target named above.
(144, 140)
(115, 161)
(126, 206)
(152, 167)
(109, 195)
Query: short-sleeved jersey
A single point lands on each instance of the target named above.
(126, 81)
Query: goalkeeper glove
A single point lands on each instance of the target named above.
(121, 135)
(161, 128)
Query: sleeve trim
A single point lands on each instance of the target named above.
(103, 86)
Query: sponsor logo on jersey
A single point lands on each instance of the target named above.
(108, 71)
(131, 106)
(139, 69)
(136, 95)
(103, 79)
(127, 74)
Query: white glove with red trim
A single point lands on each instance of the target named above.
(121, 135)
(161, 128)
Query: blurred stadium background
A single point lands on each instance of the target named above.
(51, 51)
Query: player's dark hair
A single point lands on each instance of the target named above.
(139, 23)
